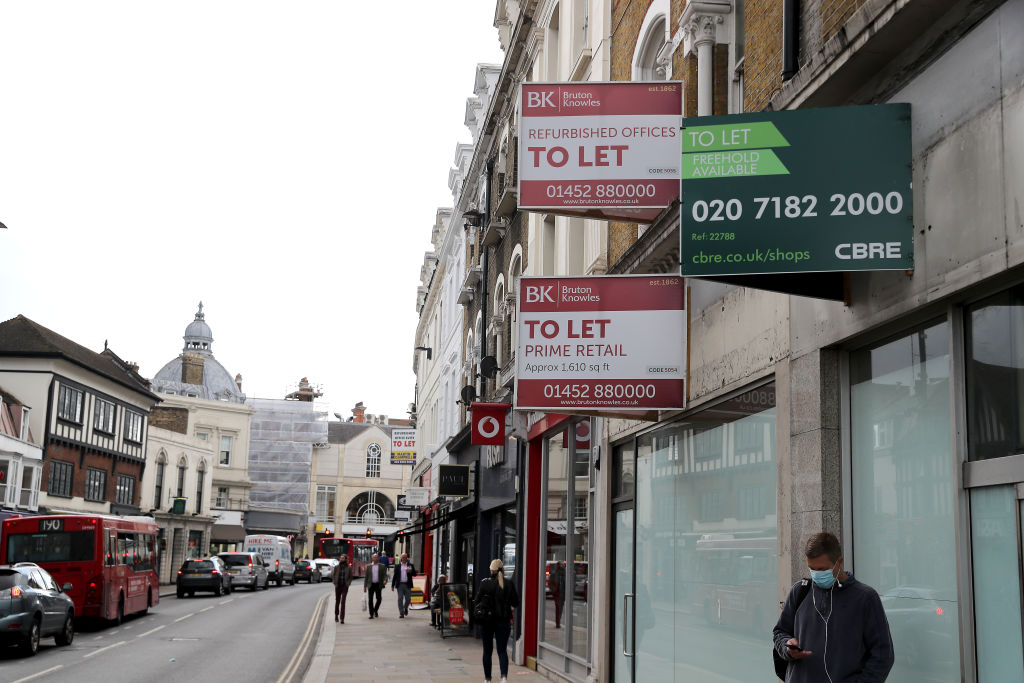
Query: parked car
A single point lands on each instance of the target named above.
(307, 571)
(277, 553)
(207, 574)
(247, 569)
(33, 606)
(326, 566)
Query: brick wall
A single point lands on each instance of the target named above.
(191, 368)
(763, 52)
(171, 419)
(720, 84)
(81, 463)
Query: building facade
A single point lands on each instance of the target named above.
(21, 458)
(204, 402)
(92, 410)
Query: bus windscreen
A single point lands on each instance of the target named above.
(54, 546)
(333, 547)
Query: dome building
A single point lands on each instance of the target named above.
(196, 373)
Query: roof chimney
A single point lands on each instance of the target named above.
(358, 413)
(192, 368)
(238, 381)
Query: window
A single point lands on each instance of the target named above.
(202, 436)
(225, 450)
(222, 497)
(159, 487)
(103, 416)
(581, 508)
(60, 478)
(29, 487)
(181, 479)
(95, 484)
(69, 404)
(325, 496)
(125, 489)
(201, 476)
(132, 426)
(373, 452)
(6, 470)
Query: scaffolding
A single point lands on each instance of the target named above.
(281, 442)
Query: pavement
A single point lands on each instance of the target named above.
(390, 649)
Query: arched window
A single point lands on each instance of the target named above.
(373, 455)
(653, 37)
(182, 467)
(158, 489)
(369, 507)
(515, 272)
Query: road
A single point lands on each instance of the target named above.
(253, 636)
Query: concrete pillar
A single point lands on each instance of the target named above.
(705, 75)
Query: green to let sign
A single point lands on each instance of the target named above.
(809, 190)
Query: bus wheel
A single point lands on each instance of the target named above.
(30, 645)
(67, 634)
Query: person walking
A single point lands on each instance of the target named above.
(341, 577)
(859, 646)
(402, 580)
(499, 598)
(374, 580)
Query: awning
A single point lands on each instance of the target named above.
(227, 533)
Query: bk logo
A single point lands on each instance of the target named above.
(536, 294)
(540, 99)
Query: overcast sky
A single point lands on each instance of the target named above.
(281, 162)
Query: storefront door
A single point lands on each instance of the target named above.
(622, 594)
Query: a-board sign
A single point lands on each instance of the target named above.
(808, 190)
(601, 343)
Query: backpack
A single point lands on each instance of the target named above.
(484, 609)
(782, 664)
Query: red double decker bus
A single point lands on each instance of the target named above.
(359, 551)
(109, 561)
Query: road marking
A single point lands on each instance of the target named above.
(129, 628)
(102, 649)
(224, 602)
(184, 617)
(205, 609)
(152, 630)
(37, 675)
(307, 639)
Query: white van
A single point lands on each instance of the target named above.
(277, 553)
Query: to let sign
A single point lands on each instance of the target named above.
(599, 145)
(808, 190)
(601, 343)
(403, 447)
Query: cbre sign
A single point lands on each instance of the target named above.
(808, 190)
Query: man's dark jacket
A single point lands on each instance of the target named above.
(396, 577)
(859, 647)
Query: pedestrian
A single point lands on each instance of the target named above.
(499, 598)
(556, 583)
(859, 646)
(435, 600)
(402, 580)
(374, 580)
(341, 577)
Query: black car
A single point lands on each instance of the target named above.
(306, 570)
(207, 574)
(33, 606)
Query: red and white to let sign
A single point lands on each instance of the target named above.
(601, 343)
(599, 145)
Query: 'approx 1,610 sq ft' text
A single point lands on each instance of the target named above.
(793, 207)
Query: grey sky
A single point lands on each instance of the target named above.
(281, 162)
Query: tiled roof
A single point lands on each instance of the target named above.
(343, 432)
(24, 338)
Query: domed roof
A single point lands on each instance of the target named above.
(198, 335)
(217, 383)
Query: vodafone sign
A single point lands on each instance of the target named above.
(601, 343)
(489, 423)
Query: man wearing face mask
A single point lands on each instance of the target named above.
(835, 629)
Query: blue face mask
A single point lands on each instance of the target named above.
(824, 578)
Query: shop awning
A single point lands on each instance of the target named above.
(227, 533)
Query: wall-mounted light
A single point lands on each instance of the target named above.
(429, 350)
(473, 217)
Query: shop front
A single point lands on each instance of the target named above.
(694, 544)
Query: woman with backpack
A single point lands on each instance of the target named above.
(495, 600)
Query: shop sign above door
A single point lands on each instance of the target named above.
(808, 190)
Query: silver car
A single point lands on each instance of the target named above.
(247, 569)
(33, 606)
(325, 566)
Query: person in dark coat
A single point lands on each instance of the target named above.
(502, 597)
(374, 580)
(839, 632)
(341, 577)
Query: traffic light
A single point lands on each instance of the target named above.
(368, 532)
(401, 533)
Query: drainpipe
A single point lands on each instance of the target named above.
(790, 38)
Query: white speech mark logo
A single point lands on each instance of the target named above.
(488, 427)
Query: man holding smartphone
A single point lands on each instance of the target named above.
(838, 630)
